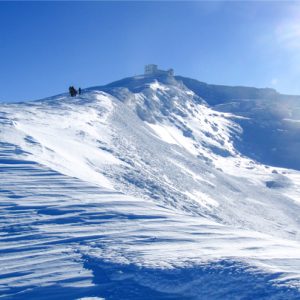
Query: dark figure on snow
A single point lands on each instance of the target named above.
(72, 91)
(79, 91)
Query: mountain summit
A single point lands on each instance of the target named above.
(269, 119)
(155, 182)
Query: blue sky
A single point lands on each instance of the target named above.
(46, 46)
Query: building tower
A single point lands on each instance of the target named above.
(151, 69)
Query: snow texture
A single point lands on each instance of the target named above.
(142, 190)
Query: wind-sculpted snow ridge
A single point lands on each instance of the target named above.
(136, 191)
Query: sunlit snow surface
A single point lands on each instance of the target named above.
(140, 195)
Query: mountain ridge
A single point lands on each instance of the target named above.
(138, 180)
(204, 90)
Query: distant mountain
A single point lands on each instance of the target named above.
(219, 94)
(271, 129)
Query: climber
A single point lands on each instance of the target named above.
(72, 91)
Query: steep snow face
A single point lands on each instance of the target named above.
(159, 168)
(270, 130)
(270, 124)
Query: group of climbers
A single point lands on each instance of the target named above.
(73, 92)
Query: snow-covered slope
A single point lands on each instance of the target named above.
(270, 124)
(137, 190)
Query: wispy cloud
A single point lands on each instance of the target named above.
(288, 34)
(288, 31)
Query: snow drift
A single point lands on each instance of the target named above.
(142, 189)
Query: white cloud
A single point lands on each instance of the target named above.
(288, 31)
(288, 34)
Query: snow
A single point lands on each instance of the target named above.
(172, 135)
(292, 120)
(71, 143)
(201, 198)
(156, 86)
(141, 193)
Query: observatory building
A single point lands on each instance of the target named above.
(152, 69)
